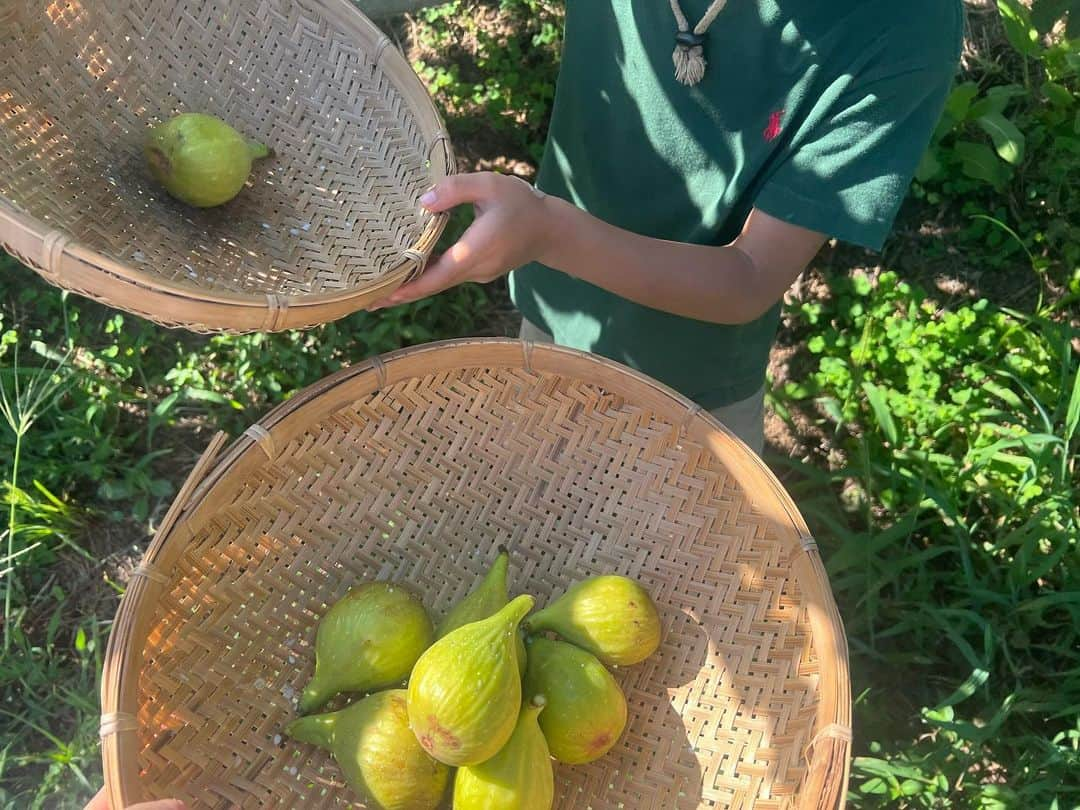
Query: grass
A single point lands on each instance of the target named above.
(50, 708)
(928, 414)
(21, 406)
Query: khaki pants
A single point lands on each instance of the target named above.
(745, 418)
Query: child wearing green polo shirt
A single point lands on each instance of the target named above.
(700, 153)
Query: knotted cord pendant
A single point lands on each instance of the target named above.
(689, 56)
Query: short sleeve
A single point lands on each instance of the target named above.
(851, 162)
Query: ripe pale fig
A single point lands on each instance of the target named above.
(519, 777)
(486, 599)
(377, 753)
(200, 159)
(586, 709)
(368, 640)
(465, 691)
(610, 616)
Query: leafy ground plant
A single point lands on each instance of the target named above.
(492, 71)
(1009, 141)
(949, 505)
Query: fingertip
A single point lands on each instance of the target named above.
(99, 802)
(391, 300)
(429, 199)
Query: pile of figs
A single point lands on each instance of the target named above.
(490, 695)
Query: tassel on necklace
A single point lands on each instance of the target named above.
(689, 56)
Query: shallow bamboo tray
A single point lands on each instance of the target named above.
(415, 467)
(327, 226)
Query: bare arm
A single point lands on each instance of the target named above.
(735, 283)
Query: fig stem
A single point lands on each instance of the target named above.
(534, 706)
(259, 150)
(535, 623)
(519, 608)
(317, 729)
(312, 697)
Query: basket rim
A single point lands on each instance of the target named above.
(63, 261)
(827, 754)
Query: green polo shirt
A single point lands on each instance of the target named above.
(814, 111)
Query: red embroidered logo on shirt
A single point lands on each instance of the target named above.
(776, 124)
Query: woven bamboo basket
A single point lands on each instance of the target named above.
(414, 468)
(328, 225)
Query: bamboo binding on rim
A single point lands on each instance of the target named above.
(328, 225)
(415, 467)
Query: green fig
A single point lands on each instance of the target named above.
(377, 753)
(610, 616)
(519, 777)
(200, 159)
(586, 709)
(486, 599)
(368, 640)
(521, 653)
(465, 691)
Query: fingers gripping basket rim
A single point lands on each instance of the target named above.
(57, 254)
(826, 753)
